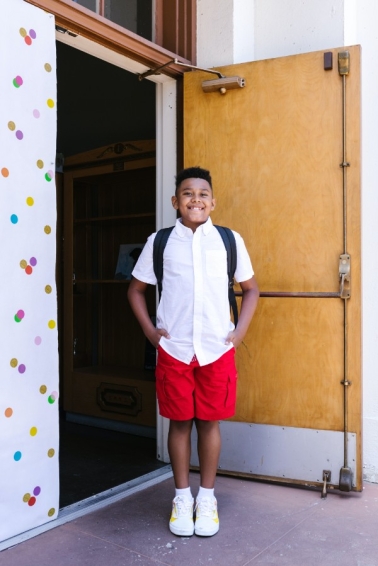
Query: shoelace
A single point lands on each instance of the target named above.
(207, 506)
(183, 506)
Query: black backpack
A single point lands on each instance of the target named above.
(228, 238)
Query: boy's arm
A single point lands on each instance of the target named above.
(137, 299)
(250, 298)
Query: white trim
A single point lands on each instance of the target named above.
(105, 54)
(166, 159)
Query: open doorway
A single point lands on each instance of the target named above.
(107, 413)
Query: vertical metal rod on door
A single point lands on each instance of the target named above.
(345, 482)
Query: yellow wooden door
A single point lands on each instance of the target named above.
(276, 150)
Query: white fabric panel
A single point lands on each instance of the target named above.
(29, 437)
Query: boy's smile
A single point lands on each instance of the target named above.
(194, 200)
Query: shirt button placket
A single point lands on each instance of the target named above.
(198, 294)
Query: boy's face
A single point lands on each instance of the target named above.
(194, 200)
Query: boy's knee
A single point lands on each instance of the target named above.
(181, 426)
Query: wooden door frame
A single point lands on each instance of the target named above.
(81, 21)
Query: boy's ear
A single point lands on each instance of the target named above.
(174, 202)
(213, 203)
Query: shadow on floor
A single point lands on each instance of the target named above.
(93, 460)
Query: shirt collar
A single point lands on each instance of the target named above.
(183, 231)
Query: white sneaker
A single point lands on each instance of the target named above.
(181, 522)
(207, 520)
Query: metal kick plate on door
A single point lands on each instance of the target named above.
(289, 453)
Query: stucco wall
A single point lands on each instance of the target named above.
(261, 29)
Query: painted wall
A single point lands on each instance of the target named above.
(285, 27)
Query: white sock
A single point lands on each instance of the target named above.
(204, 492)
(185, 491)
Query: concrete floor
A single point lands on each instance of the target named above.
(261, 524)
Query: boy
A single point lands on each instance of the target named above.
(196, 340)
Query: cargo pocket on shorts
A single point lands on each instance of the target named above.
(231, 390)
(160, 389)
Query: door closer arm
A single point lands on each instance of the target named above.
(222, 84)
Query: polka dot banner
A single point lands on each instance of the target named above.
(29, 417)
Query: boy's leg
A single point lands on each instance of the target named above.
(181, 521)
(209, 447)
(179, 451)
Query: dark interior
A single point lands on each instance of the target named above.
(100, 104)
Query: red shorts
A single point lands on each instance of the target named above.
(187, 391)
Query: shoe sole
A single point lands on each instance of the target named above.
(207, 533)
(181, 532)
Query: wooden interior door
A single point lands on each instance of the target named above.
(109, 211)
(274, 149)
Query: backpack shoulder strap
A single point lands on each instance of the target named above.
(230, 245)
(160, 242)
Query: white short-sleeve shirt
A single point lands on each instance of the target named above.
(194, 306)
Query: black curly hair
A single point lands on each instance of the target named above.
(193, 173)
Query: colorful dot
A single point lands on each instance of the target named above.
(23, 263)
(51, 512)
(48, 176)
(43, 389)
(26, 497)
(19, 135)
(48, 67)
(36, 113)
(17, 81)
(30, 201)
(23, 32)
(8, 412)
(32, 501)
(11, 126)
(14, 218)
(51, 453)
(37, 340)
(28, 40)
(32, 33)
(33, 431)
(17, 456)
(48, 289)
(22, 368)
(20, 314)
(53, 397)
(14, 362)
(28, 270)
(33, 261)
(47, 229)
(51, 324)
(40, 163)
(50, 103)
(16, 318)
(36, 490)
(5, 172)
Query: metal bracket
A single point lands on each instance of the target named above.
(344, 273)
(222, 84)
(326, 478)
